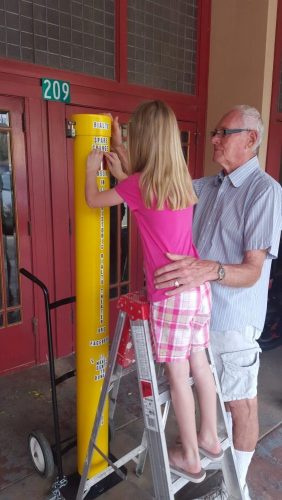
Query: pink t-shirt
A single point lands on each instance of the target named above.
(161, 231)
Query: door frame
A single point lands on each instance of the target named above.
(274, 149)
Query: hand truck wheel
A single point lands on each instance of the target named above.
(41, 454)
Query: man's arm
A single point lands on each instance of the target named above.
(191, 272)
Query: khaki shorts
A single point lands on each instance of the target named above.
(236, 357)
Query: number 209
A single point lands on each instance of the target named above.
(55, 90)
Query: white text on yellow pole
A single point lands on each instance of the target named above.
(92, 290)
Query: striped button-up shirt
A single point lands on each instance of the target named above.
(238, 212)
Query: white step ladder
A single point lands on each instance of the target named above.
(154, 395)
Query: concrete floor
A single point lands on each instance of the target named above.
(26, 405)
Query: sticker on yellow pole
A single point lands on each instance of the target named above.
(92, 290)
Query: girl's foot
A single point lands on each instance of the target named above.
(210, 448)
(178, 441)
(178, 459)
(213, 451)
(211, 455)
(197, 477)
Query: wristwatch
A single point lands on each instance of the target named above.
(220, 272)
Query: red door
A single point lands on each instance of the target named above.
(17, 341)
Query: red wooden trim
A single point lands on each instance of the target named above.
(203, 51)
(277, 65)
(60, 218)
(117, 41)
(31, 74)
(41, 220)
(274, 149)
(121, 41)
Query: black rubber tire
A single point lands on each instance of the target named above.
(41, 454)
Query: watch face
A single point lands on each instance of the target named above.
(221, 273)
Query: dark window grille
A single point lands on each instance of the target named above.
(73, 35)
(162, 44)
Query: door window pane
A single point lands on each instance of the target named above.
(9, 290)
(14, 316)
(113, 244)
(119, 241)
(124, 242)
(185, 138)
(4, 119)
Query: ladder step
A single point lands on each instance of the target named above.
(131, 455)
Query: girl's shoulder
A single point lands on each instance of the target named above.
(133, 178)
(129, 190)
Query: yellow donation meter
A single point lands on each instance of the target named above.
(92, 289)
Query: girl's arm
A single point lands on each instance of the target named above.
(117, 144)
(115, 167)
(94, 197)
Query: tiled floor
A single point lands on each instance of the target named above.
(266, 477)
(26, 405)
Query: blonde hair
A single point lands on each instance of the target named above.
(155, 150)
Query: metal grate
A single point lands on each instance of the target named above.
(162, 44)
(76, 35)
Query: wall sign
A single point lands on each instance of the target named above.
(55, 90)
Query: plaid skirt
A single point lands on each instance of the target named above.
(180, 324)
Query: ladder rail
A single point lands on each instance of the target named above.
(229, 467)
(153, 420)
(101, 404)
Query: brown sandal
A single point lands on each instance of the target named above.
(194, 477)
(210, 455)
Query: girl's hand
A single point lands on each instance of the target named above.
(116, 139)
(114, 165)
(94, 159)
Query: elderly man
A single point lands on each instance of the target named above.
(237, 225)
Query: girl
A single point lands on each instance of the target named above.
(159, 191)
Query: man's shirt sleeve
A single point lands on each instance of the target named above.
(264, 221)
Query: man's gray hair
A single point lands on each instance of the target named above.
(251, 119)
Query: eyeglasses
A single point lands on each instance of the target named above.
(223, 132)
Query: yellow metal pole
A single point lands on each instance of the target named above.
(92, 289)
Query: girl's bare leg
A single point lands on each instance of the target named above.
(186, 456)
(205, 386)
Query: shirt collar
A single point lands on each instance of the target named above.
(240, 174)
